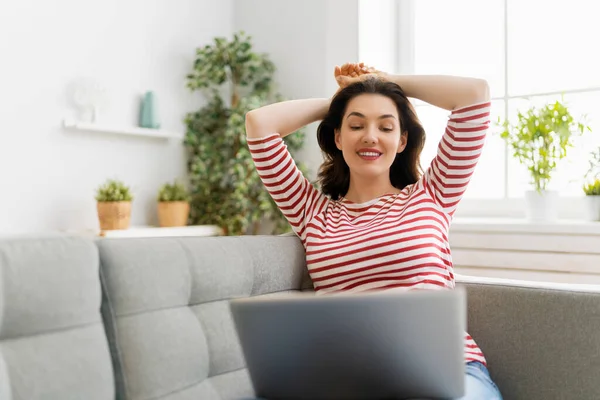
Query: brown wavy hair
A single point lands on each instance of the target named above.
(334, 174)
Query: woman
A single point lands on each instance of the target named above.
(378, 222)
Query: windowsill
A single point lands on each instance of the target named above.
(572, 210)
(565, 251)
(521, 225)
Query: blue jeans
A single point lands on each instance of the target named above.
(479, 384)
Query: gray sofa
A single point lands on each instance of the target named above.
(148, 319)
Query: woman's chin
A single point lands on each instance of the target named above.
(369, 170)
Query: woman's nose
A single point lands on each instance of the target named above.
(369, 137)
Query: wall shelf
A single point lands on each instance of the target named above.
(131, 131)
(152, 231)
(155, 231)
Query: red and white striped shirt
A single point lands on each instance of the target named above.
(395, 241)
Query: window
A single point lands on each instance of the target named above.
(530, 52)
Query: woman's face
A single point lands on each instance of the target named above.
(370, 135)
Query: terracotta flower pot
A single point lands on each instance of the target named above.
(173, 213)
(114, 214)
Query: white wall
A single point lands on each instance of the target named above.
(48, 176)
(305, 39)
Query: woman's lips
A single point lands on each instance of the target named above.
(369, 155)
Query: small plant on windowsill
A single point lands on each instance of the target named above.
(539, 139)
(113, 205)
(592, 187)
(173, 204)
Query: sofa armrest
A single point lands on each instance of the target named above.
(541, 340)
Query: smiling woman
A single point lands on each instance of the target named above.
(378, 223)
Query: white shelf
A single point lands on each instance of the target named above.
(155, 231)
(151, 231)
(133, 130)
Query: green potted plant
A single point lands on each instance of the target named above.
(113, 205)
(592, 187)
(539, 139)
(226, 190)
(173, 204)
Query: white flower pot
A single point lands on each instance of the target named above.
(541, 207)
(592, 208)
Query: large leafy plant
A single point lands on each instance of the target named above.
(540, 138)
(225, 187)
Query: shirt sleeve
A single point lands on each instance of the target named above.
(458, 152)
(296, 197)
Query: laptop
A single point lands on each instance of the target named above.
(384, 345)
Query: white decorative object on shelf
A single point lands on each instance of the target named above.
(133, 130)
(89, 96)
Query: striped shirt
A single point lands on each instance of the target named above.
(396, 241)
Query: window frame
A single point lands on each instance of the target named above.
(570, 207)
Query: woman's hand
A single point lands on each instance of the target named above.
(354, 72)
(443, 91)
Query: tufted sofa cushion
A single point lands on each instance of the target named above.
(52, 340)
(167, 313)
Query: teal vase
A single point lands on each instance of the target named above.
(148, 112)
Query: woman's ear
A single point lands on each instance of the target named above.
(403, 142)
(338, 139)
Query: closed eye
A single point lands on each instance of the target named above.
(355, 128)
(387, 129)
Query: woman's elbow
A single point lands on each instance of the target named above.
(481, 91)
(251, 123)
(474, 91)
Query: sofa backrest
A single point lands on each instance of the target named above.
(176, 340)
(164, 305)
(52, 340)
(167, 313)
